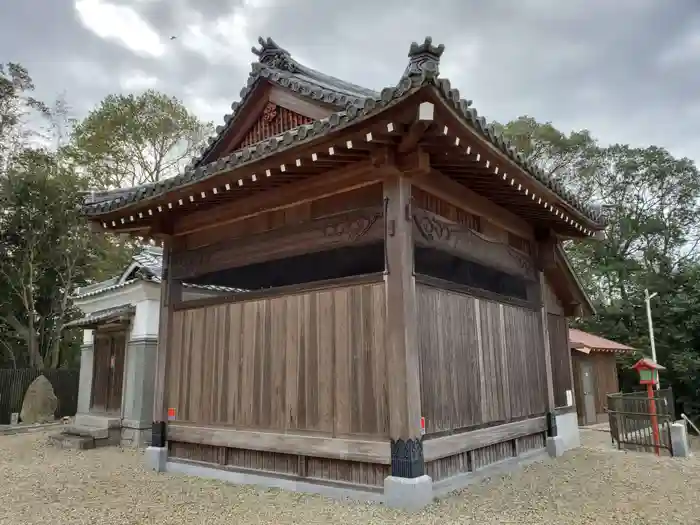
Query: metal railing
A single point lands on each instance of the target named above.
(639, 422)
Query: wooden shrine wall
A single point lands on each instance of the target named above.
(308, 362)
(481, 362)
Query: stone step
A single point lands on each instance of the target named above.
(72, 442)
(84, 431)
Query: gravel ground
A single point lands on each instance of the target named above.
(41, 484)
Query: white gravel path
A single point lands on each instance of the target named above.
(42, 484)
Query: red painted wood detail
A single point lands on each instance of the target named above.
(273, 121)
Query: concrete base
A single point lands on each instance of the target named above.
(292, 485)
(463, 480)
(409, 494)
(97, 421)
(679, 440)
(156, 458)
(567, 429)
(555, 446)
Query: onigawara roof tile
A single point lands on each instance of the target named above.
(353, 103)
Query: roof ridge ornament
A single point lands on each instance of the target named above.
(424, 59)
(274, 56)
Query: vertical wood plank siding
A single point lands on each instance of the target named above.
(561, 357)
(480, 361)
(312, 361)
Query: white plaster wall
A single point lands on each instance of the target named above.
(132, 293)
(146, 319)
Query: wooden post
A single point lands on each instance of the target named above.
(160, 398)
(546, 259)
(654, 419)
(401, 332)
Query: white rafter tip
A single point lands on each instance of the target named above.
(331, 151)
(104, 224)
(495, 170)
(505, 175)
(478, 157)
(203, 194)
(170, 205)
(131, 218)
(512, 182)
(283, 167)
(520, 187)
(191, 198)
(469, 150)
(114, 223)
(298, 162)
(348, 144)
(390, 127)
(240, 182)
(150, 211)
(368, 137)
(445, 130)
(160, 209)
(314, 157)
(140, 215)
(179, 201)
(268, 173)
(215, 191)
(122, 219)
(533, 196)
(426, 111)
(488, 164)
(228, 187)
(527, 192)
(253, 177)
(456, 141)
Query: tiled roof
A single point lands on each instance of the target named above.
(360, 104)
(102, 316)
(581, 339)
(148, 267)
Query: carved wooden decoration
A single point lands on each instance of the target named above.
(431, 230)
(270, 112)
(358, 226)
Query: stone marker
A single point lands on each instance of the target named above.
(39, 403)
(14, 418)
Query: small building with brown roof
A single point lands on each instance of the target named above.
(595, 376)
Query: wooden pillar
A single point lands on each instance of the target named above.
(169, 292)
(545, 253)
(401, 332)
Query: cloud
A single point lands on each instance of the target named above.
(626, 70)
(137, 81)
(120, 24)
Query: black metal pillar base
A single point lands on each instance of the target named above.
(158, 434)
(407, 458)
(551, 424)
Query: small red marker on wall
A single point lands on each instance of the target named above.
(422, 426)
(171, 414)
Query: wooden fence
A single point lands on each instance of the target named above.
(14, 384)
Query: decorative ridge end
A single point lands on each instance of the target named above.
(426, 47)
(272, 55)
(424, 60)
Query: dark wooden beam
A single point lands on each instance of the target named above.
(414, 164)
(334, 181)
(416, 131)
(462, 197)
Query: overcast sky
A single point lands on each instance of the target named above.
(628, 70)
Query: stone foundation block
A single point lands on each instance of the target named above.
(556, 446)
(156, 458)
(409, 494)
(679, 440)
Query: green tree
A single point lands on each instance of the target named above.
(134, 139)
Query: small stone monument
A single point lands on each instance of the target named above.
(39, 403)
